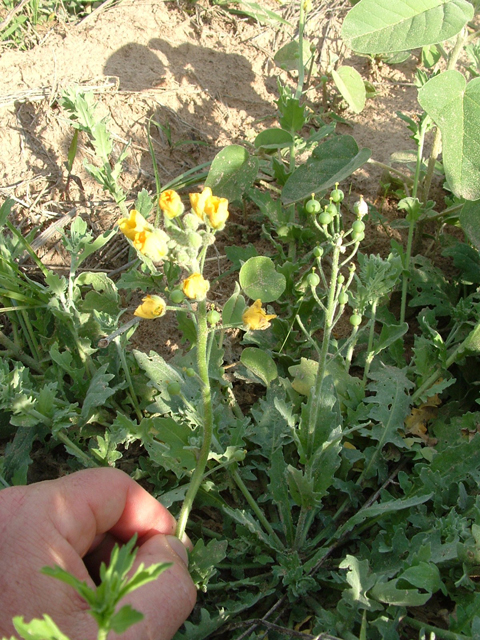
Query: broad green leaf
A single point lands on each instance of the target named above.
(361, 579)
(470, 221)
(259, 363)
(388, 593)
(124, 618)
(332, 161)
(302, 488)
(287, 57)
(454, 106)
(350, 84)
(384, 26)
(234, 308)
(233, 170)
(275, 138)
(260, 280)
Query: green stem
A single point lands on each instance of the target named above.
(301, 68)
(438, 373)
(406, 274)
(202, 365)
(443, 634)
(81, 455)
(128, 377)
(327, 331)
(255, 508)
(370, 352)
(19, 353)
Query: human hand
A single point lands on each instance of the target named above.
(73, 522)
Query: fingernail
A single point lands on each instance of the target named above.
(177, 547)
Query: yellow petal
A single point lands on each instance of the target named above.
(171, 203)
(152, 244)
(216, 210)
(195, 287)
(132, 225)
(198, 200)
(255, 318)
(151, 307)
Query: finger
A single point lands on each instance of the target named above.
(93, 501)
(168, 601)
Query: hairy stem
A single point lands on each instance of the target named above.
(202, 365)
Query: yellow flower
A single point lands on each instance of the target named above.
(198, 200)
(195, 287)
(216, 209)
(132, 225)
(152, 244)
(256, 318)
(151, 307)
(171, 203)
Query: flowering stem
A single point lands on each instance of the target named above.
(202, 365)
(123, 360)
(327, 331)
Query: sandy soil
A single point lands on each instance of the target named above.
(206, 76)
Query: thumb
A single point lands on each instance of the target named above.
(167, 601)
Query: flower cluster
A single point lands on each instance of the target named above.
(149, 241)
(210, 209)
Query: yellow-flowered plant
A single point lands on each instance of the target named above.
(216, 210)
(171, 204)
(198, 201)
(134, 224)
(152, 244)
(151, 307)
(255, 318)
(196, 287)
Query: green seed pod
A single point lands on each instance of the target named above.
(325, 218)
(213, 317)
(343, 297)
(283, 231)
(358, 226)
(177, 296)
(318, 252)
(358, 237)
(337, 194)
(174, 388)
(331, 209)
(190, 372)
(341, 278)
(313, 206)
(313, 280)
(355, 320)
(239, 455)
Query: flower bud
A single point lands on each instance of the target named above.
(171, 203)
(151, 307)
(195, 240)
(360, 208)
(196, 287)
(191, 221)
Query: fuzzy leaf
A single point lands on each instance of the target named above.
(232, 172)
(380, 26)
(350, 84)
(260, 364)
(454, 106)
